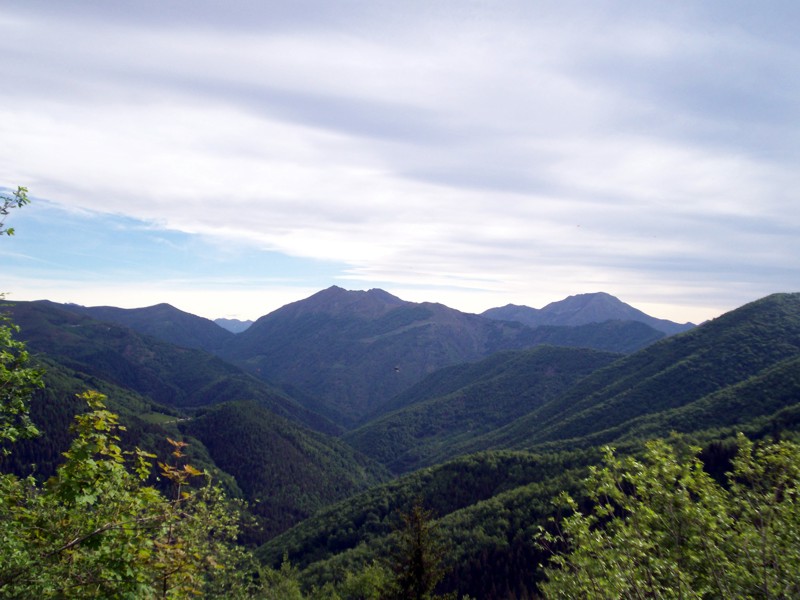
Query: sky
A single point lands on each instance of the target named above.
(232, 157)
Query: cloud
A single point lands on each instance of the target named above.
(528, 149)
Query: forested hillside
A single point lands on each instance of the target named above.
(164, 322)
(286, 473)
(167, 374)
(461, 403)
(737, 373)
(499, 437)
(699, 370)
(487, 508)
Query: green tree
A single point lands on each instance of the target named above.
(18, 380)
(370, 583)
(17, 199)
(418, 558)
(663, 528)
(96, 530)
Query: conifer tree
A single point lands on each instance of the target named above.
(418, 559)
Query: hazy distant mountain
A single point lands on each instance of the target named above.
(233, 325)
(353, 350)
(162, 321)
(582, 309)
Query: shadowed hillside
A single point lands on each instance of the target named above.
(462, 402)
(164, 322)
(167, 374)
(285, 472)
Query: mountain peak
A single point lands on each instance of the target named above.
(588, 308)
(162, 321)
(233, 325)
(582, 309)
(339, 301)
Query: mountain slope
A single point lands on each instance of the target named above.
(740, 372)
(611, 336)
(353, 351)
(167, 374)
(286, 473)
(768, 393)
(163, 322)
(147, 425)
(711, 359)
(464, 401)
(461, 493)
(582, 309)
(284, 470)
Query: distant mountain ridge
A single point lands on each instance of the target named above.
(172, 375)
(353, 350)
(582, 309)
(233, 325)
(162, 321)
(342, 353)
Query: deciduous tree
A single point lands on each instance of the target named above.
(97, 530)
(661, 527)
(16, 199)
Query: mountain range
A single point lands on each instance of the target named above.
(343, 353)
(332, 414)
(491, 491)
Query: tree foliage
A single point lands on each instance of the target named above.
(18, 380)
(17, 199)
(418, 558)
(97, 530)
(662, 527)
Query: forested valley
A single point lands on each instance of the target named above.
(353, 445)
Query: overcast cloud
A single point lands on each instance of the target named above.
(473, 153)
